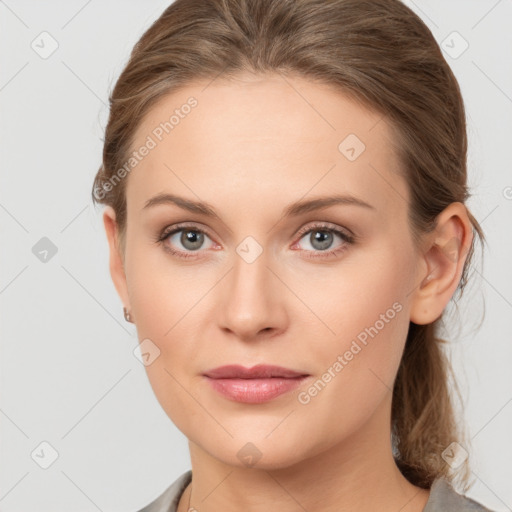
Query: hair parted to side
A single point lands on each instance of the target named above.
(382, 55)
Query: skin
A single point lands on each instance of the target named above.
(250, 148)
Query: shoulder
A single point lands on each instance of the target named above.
(168, 500)
(444, 497)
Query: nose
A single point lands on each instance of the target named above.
(252, 305)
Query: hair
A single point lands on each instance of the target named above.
(380, 54)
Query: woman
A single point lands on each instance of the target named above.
(285, 188)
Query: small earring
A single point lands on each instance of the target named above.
(427, 279)
(127, 315)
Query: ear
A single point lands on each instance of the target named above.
(116, 261)
(441, 264)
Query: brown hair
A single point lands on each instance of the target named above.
(381, 54)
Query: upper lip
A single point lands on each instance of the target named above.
(233, 371)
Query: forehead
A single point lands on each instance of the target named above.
(265, 135)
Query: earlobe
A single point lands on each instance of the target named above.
(116, 264)
(442, 264)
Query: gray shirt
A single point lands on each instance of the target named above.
(443, 498)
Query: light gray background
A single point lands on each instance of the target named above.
(68, 373)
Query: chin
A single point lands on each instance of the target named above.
(258, 454)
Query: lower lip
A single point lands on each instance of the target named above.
(255, 391)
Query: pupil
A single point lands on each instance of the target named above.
(192, 237)
(322, 237)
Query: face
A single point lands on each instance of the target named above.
(322, 291)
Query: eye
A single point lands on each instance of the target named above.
(185, 240)
(321, 237)
(188, 239)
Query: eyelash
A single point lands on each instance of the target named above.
(347, 238)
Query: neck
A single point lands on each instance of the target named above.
(359, 473)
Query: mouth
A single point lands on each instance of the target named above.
(254, 385)
(260, 371)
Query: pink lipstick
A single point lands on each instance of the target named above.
(254, 385)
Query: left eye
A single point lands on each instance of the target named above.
(321, 239)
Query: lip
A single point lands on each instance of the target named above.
(260, 371)
(254, 385)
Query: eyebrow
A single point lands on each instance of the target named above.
(294, 209)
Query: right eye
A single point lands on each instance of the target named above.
(191, 239)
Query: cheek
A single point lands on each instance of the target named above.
(166, 300)
(161, 292)
(365, 307)
(357, 366)
(371, 286)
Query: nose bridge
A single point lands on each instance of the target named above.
(250, 273)
(251, 301)
(250, 267)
